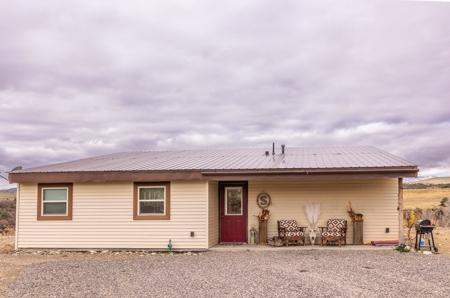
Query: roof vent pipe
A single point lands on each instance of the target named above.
(273, 148)
(282, 149)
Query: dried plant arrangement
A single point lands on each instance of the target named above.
(352, 213)
(312, 211)
(264, 214)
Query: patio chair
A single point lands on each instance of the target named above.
(290, 233)
(335, 231)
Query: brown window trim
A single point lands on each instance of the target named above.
(69, 186)
(136, 216)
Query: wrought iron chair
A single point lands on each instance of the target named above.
(335, 231)
(290, 233)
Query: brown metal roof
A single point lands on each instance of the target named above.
(312, 159)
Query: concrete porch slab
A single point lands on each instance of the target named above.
(244, 247)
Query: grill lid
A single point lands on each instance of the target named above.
(424, 225)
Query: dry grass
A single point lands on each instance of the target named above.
(7, 195)
(6, 243)
(442, 240)
(424, 198)
(438, 180)
(9, 232)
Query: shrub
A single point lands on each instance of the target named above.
(7, 214)
(4, 214)
(403, 248)
(9, 231)
(443, 201)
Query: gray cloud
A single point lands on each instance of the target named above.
(90, 78)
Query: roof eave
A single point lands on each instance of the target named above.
(276, 174)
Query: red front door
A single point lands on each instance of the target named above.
(233, 212)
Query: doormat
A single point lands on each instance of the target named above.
(231, 243)
(385, 243)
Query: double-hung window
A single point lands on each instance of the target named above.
(54, 201)
(151, 201)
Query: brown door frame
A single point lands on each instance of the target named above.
(245, 185)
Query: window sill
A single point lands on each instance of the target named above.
(152, 217)
(54, 217)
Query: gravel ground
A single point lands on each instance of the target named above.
(241, 274)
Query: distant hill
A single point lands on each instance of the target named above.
(430, 183)
(434, 180)
(10, 190)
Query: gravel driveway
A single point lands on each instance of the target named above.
(242, 274)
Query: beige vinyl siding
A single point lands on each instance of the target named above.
(376, 199)
(103, 218)
(213, 214)
(17, 216)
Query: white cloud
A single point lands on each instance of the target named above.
(369, 128)
(91, 78)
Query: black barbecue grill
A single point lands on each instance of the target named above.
(424, 230)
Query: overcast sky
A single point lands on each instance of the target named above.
(87, 78)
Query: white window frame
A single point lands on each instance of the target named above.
(58, 201)
(163, 200)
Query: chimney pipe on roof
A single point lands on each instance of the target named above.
(273, 148)
(282, 149)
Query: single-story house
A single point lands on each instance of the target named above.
(200, 198)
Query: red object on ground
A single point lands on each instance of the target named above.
(385, 242)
